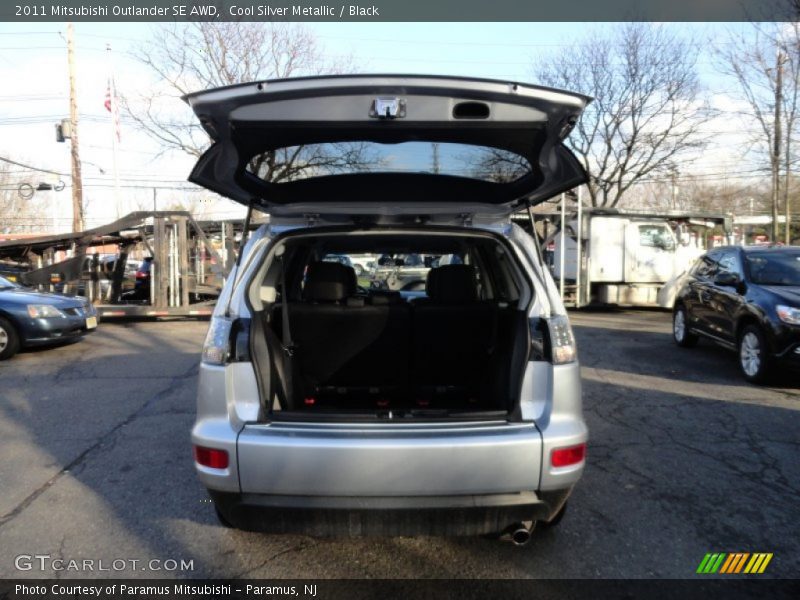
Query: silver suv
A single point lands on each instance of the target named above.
(333, 405)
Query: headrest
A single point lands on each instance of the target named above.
(329, 282)
(452, 284)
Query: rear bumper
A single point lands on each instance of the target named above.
(387, 460)
(386, 516)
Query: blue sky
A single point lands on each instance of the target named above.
(33, 58)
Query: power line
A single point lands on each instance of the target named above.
(19, 164)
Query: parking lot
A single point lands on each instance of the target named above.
(684, 459)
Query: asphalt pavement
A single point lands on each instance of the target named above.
(684, 459)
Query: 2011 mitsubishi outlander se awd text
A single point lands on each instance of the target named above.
(331, 404)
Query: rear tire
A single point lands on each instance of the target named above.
(680, 329)
(9, 339)
(754, 360)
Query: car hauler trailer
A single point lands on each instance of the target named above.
(609, 256)
(189, 262)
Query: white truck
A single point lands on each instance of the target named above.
(625, 258)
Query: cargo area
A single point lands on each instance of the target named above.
(430, 326)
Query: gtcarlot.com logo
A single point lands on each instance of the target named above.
(732, 563)
(45, 562)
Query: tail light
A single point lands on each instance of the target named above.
(142, 274)
(211, 457)
(217, 347)
(552, 340)
(565, 457)
(227, 340)
(562, 342)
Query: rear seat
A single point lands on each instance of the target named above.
(453, 336)
(379, 351)
(346, 346)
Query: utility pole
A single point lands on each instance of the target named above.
(787, 155)
(113, 110)
(776, 146)
(673, 176)
(787, 204)
(77, 184)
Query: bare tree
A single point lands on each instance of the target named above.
(494, 164)
(299, 162)
(766, 67)
(647, 112)
(186, 57)
(702, 195)
(23, 208)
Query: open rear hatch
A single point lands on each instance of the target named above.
(387, 144)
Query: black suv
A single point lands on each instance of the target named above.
(746, 298)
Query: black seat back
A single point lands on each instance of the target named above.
(344, 345)
(454, 334)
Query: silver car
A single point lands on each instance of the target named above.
(329, 407)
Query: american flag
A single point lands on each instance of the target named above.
(113, 107)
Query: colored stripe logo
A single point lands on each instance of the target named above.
(731, 563)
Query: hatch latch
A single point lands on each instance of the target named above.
(388, 108)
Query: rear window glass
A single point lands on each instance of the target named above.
(459, 160)
(404, 272)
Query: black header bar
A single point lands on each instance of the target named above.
(699, 588)
(399, 10)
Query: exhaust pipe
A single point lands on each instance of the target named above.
(520, 533)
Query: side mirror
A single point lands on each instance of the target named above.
(726, 278)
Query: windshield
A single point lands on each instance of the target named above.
(656, 236)
(774, 268)
(6, 284)
(431, 158)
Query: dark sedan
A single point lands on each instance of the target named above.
(29, 318)
(746, 298)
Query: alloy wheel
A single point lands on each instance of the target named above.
(3, 339)
(750, 354)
